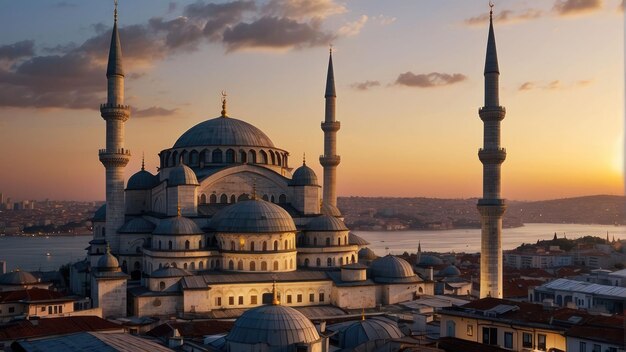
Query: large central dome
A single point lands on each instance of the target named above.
(223, 131)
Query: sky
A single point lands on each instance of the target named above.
(409, 78)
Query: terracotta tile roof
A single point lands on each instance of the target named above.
(452, 344)
(601, 328)
(515, 288)
(194, 329)
(32, 295)
(54, 326)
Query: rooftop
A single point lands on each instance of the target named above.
(55, 326)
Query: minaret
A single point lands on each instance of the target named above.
(330, 159)
(491, 206)
(114, 157)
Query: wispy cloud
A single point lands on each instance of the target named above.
(365, 85)
(303, 9)
(553, 85)
(153, 111)
(383, 20)
(576, 7)
(351, 29)
(429, 80)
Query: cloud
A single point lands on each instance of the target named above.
(352, 28)
(553, 85)
(18, 50)
(275, 32)
(433, 79)
(576, 7)
(527, 86)
(365, 85)
(153, 111)
(302, 9)
(383, 20)
(505, 17)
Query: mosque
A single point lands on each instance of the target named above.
(227, 223)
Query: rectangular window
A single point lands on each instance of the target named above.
(582, 347)
(43, 308)
(470, 330)
(60, 309)
(312, 297)
(11, 309)
(321, 296)
(253, 300)
(490, 336)
(508, 340)
(299, 298)
(231, 300)
(288, 298)
(49, 309)
(240, 300)
(527, 340)
(56, 309)
(596, 348)
(218, 301)
(541, 342)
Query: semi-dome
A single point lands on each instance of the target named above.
(170, 271)
(391, 269)
(142, 180)
(223, 131)
(367, 254)
(178, 225)
(181, 175)
(137, 225)
(429, 260)
(274, 325)
(304, 176)
(358, 240)
(449, 271)
(330, 209)
(253, 216)
(371, 329)
(326, 223)
(18, 277)
(108, 262)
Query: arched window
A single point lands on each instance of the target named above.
(315, 241)
(278, 160)
(276, 265)
(306, 262)
(204, 156)
(233, 199)
(212, 264)
(161, 285)
(231, 265)
(329, 262)
(263, 155)
(252, 266)
(232, 245)
(282, 199)
(169, 245)
(252, 246)
(242, 156)
(200, 244)
(159, 244)
(185, 266)
(174, 265)
(201, 265)
(183, 157)
(175, 158)
(263, 266)
(353, 258)
(275, 245)
(203, 199)
(339, 241)
(327, 241)
(243, 197)
(272, 157)
(340, 261)
(285, 264)
(345, 240)
(286, 244)
(252, 157)
(193, 158)
(240, 265)
(213, 199)
(187, 244)
(223, 199)
(264, 246)
(272, 199)
(217, 156)
(193, 265)
(291, 263)
(318, 261)
(265, 198)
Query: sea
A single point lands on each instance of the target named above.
(49, 253)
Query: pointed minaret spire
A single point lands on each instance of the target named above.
(143, 161)
(492, 71)
(330, 76)
(114, 66)
(330, 126)
(303, 159)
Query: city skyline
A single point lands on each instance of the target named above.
(563, 131)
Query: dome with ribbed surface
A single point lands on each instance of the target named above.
(429, 260)
(358, 240)
(182, 175)
(137, 225)
(370, 329)
(330, 209)
(170, 271)
(178, 225)
(391, 269)
(108, 262)
(223, 131)
(18, 277)
(142, 180)
(304, 176)
(449, 271)
(274, 325)
(253, 216)
(326, 223)
(367, 253)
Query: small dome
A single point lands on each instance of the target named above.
(18, 278)
(449, 271)
(326, 223)
(108, 262)
(223, 131)
(304, 176)
(274, 325)
(142, 180)
(358, 240)
(391, 269)
(137, 225)
(100, 214)
(331, 210)
(181, 175)
(367, 253)
(370, 329)
(253, 216)
(429, 260)
(170, 271)
(178, 225)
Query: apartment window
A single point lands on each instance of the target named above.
(321, 296)
(312, 297)
(508, 340)
(541, 342)
(43, 309)
(49, 309)
(490, 336)
(56, 309)
(60, 309)
(253, 299)
(240, 300)
(299, 298)
(596, 348)
(527, 340)
(218, 301)
(288, 298)
(11, 309)
(231, 300)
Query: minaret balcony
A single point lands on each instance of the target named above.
(492, 113)
(119, 157)
(115, 111)
(332, 126)
(492, 156)
(330, 160)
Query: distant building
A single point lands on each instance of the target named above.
(581, 295)
(542, 260)
(34, 302)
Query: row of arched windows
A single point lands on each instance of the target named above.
(251, 245)
(218, 156)
(252, 266)
(224, 198)
(330, 261)
(305, 240)
(210, 264)
(170, 245)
